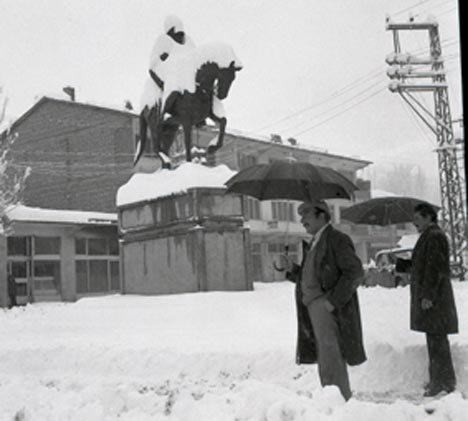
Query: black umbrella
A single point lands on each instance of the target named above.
(287, 179)
(383, 210)
(293, 180)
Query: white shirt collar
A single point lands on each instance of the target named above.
(318, 234)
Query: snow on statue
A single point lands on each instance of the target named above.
(172, 41)
(188, 84)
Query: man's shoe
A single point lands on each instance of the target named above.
(434, 390)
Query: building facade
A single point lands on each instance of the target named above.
(80, 154)
(58, 255)
(275, 224)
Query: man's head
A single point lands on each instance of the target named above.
(424, 214)
(314, 215)
(174, 27)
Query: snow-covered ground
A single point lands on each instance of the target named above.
(211, 356)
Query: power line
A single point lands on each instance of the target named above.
(341, 104)
(340, 113)
(436, 6)
(365, 78)
(417, 123)
(410, 7)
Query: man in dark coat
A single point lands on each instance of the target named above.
(12, 290)
(433, 308)
(329, 322)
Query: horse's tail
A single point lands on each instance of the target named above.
(141, 142)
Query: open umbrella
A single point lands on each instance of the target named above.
(383, 210)
(288, 179)
(291, 180)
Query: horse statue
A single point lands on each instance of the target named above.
(173, 41)
(194, 84)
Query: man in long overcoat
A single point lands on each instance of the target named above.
(329, 322)
(433, 308)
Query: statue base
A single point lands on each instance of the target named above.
(147, 164)
(188, 242)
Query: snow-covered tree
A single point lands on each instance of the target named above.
(12, 177)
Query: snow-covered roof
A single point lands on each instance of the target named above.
(142, 187)
(408, 240)
(94, 105)
(20, 213)
(375, 193)
(299, 147)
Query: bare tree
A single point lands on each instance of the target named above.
(12, 177)
(402, 179)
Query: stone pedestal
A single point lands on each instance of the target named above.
(188, 242)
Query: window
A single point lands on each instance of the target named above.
(115, 276)
(245, 160)
(97, 246)
(80, 245)
(19, 270)
(98, 276)
(114, 246)
(46, 245)
(81, 276)
(18, 246)
(251, 208)
(283, 211)
(97, 265)
(46, 277)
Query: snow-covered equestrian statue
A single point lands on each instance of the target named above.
(190, 85)
(173, 41)
(194, 87)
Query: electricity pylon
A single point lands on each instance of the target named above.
(409, 74)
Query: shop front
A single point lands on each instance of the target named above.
(58, 255)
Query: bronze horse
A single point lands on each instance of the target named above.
(189, 109)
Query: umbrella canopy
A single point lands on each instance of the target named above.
(292, 180)
(383, 211)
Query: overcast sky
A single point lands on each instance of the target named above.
(313, 69)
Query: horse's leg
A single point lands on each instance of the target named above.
(154, 126)
(188, 140)
(140, 146)
(168, 132)
(214, 146)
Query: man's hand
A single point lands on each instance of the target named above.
(329, 306)
(426, 304)
(285, 263)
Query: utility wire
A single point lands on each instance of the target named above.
(341, 104)
(341, 112)
(399, 12)
(372, 74)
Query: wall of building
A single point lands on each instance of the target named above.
(79, 155)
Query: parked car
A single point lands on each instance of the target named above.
(384, 272)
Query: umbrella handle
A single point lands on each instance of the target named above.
(286, 251)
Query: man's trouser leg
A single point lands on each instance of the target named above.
(441, 370)
(331, 364)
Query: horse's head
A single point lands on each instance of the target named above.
(225, 78)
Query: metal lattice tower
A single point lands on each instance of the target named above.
(411, 74)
